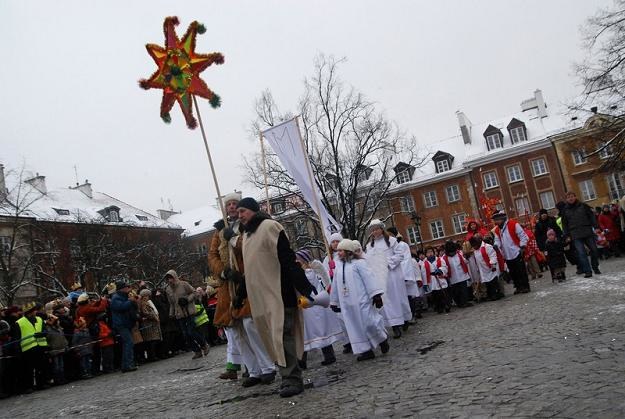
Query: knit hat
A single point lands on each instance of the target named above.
(347, 244)
(376, 223)
(336, 237)
(357, 245)
(543, 211)
(83, 298)
(233, 196)
(304, 254)
(499, 215)
(121, 283)
(249, 203)
(145, 293)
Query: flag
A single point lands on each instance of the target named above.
(286, 141)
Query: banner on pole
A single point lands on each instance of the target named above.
(286, 141)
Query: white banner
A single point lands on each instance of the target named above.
(286, 141)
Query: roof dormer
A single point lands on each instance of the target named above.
(403, 172)
(363, 172)
(517, 131)
(442, 161)
(111, 214)
(494, 138)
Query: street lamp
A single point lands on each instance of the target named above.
(416, 219)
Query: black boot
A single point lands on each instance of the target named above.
(365, 356)
(396, 332)
(328, 355)
(347, 349)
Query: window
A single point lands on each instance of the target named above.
(490, 180)
(430, 199)
(61, 211)
(547, 200)
(74, 249)
(436, 227)
(493, 141)
(517, 134)
(141, 217)
(197, 223)
(588, 190)
(539, 167)
(522, 206)
(5, 246)
(413, 235)
(277, 207)
(403, 176)
(458, 221)
(615, 186)
(406, 203)
(515, 174)
(579, 156)
(202, 249)
(442, 166)
(113, 216)
(453, 193)
(605, 152)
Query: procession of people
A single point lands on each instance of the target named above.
(275, 304)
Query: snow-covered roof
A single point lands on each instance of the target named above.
(196, 221)
(72, 205)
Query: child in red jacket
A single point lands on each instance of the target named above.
(107, 344)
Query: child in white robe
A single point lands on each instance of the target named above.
(357, 296)
(487, 263)
(321, 326)
(433, 275)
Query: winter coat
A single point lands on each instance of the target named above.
(161, 303)
(555, 254)
(150, 325)
(80, 340)
(541, 228)
(218, 259)
(578, 221)
(56, 338)
(123, 311)
(106, 335)
(607, 222)
(180, 289)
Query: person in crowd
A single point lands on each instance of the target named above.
(124, 312)
(457, 274)
(478, 288)
(578, 225)
(202, 322)
(475, 227)
(569, 249)
(485, 258)
(181, 296)
(150, 324)
(30, 331)
(409, 273)
(532, 255)
(57, 344)
(357, 295)
(245, 344)
(321, 326)
(511, 240)
(385, 258)
(272, 277)
(420, 300)
(169, 329)
(89, 309)
(603, 245)
(554, 251)
(82, 346)
(433, 275)
(609, 223)
(107, 344)
(330, 260)
(543, 224)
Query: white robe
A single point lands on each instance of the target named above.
(433, 282)
(321, 326)
(456, 274)
(352, 291)
(486, 269)
(408, 268)
(385, 262)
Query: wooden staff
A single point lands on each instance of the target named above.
(314, 187)
(210, 162)
(264, 158)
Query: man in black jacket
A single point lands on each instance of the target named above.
(578, 225)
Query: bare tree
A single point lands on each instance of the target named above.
(353, 148)
(602, 76)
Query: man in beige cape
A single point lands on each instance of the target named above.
(272, 278)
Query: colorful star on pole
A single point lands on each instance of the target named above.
(179, 68)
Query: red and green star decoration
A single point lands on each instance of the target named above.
(179, 68)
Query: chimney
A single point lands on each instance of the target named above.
(3, 186)
(85, 188)
(165, 214)
(38, 182)
(465, 127)
(540, 103)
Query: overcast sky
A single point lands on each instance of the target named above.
(70, 68)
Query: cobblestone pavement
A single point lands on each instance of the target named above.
(556, 352)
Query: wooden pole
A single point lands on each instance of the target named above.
(311, 178)
(210, 162)
(264, 157)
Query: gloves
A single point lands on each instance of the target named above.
(228, 233)
(233, 276)
(183, 302)
(377, 301)
(335, 309)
